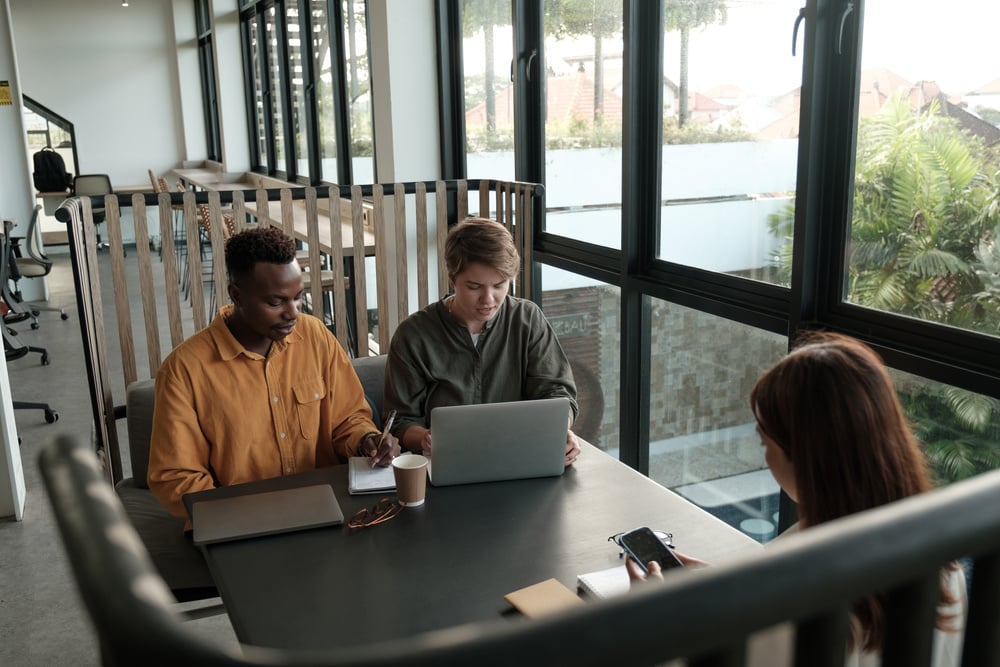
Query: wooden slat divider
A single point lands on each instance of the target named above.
(525, 224)
(122, 310)
(484, 199)
(263, 212)
(239, 211)
(218, 240)
(360, 284)
(287, 214)
(381, 253)
(146, 289)
(421, 233)
(315, 261)
(442, 233)
(399, 266)
(337, 264)
(168, 255)
(197, 294)
(463, 200)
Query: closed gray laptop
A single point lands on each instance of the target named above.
(259, 514)
(498, 441)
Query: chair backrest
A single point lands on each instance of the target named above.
(92, 185)
(31, 247)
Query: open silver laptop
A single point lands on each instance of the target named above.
(498, 441)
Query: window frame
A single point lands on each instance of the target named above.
(824, 190)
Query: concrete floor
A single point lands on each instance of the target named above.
(42, 620)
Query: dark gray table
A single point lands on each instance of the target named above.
(447, 562)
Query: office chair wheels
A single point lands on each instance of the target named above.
(34, 325)
(51, 416)
(45, 359)
(63, 316)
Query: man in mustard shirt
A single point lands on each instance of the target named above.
(263, 391)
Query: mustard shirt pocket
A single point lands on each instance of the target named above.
(308, 398)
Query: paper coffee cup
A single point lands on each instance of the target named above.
(411, 479)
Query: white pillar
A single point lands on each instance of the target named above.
(16, 201)
(405, 111)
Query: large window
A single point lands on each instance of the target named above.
(206, 65)
(926, 214)
(731, 91)
(359, 92)
(297, 84)
(583, 125)
(732, 194)
(488, 90)
(309, 98)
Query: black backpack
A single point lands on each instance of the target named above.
(50, 172)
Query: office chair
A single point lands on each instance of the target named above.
(35, 264)
(14, 349)
(93, 185)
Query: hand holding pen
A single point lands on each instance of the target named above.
(388, 445)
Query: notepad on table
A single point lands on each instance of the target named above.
(607, 583)
(363, 478)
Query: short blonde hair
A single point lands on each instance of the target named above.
(484, 241)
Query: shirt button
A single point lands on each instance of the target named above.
(316, 395)
(275, 399)
(282, 435)
(288, 469)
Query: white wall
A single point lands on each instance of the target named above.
(112, 72)
(230, 87)
(15, 202)
(404, 102)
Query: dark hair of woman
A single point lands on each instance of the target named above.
(831, 407)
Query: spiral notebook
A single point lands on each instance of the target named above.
(608, 583)
(363, 478)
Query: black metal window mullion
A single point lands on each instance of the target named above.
(529, 90)
(285, 91)
(250, 67)
(641, 168)
(267, 93)
(341, 102)
(311, 120)
(451, 86)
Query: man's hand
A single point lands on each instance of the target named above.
(380, 449)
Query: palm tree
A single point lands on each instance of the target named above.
(684, 15)
(925, 242)
(921, 199)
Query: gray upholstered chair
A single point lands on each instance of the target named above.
(178, 561)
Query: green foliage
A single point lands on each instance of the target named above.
(690, 14)
(925, 203)
(960, 428)
(569, 18)
(925, 242)
(695, 133)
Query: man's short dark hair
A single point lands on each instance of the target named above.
(252, 246)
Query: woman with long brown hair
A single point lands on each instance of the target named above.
(837, 442)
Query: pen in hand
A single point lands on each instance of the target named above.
(385, 432)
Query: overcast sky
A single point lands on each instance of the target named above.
(953, 43)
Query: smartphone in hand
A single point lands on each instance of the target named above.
(643, 546)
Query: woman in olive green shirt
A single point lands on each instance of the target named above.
(477, 345)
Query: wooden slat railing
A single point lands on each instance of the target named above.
(398, 224)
